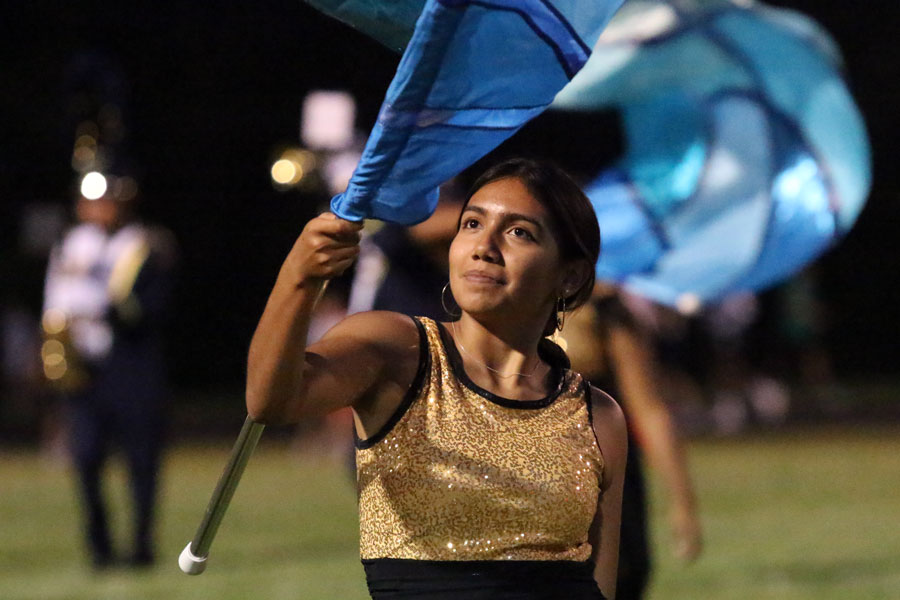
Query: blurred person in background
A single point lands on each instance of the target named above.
(606, 344)
(108, 288)
(742, 392)
(404, 269)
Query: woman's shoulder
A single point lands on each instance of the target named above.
(381, 328)
(605, 408)
(395, 346)
(389, 343)
(610, 430)
(380, 318)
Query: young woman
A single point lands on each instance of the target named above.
(486, 467)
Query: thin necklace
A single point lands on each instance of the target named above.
(499, 373)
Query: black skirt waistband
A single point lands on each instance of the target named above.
(390, 578)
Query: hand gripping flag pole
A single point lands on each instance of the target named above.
(193, 558)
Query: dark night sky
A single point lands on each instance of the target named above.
(214, 90)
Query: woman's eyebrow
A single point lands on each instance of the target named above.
(507, 216)
(477, 209)
(521, 217)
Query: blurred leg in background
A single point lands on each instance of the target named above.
(90, 428)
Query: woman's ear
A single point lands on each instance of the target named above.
(575, 275)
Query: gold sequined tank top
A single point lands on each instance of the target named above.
(460, 474)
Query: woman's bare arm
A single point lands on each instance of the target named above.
(609, 427)
(658, 436)
(365, 357)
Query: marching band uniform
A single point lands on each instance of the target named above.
(106, 295)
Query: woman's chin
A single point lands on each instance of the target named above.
(481, 307)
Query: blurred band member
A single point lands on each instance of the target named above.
(404, 269)
(605, 344)
(107, 291)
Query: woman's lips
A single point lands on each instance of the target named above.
(482, 278)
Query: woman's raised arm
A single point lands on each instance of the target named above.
(364, 358)
(275, 363)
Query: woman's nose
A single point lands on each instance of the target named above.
(486, 249)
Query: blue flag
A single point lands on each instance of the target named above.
(472, 74)
(746, 154)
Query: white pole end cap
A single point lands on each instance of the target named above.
(191, 564)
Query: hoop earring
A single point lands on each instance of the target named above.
(444, 303)
(560, 313)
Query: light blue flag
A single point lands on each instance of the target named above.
(746, 154)
(746, 159)
(471, 75)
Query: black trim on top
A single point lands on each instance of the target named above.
(408, 398)
(456, 365)
(589, 398)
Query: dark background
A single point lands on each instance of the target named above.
(214, 91)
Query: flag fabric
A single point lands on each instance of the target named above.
(473, 72)
(746, 154)
(391, 22)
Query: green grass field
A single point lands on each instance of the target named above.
(787, 516)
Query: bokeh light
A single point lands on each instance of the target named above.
(84, 155)
(88, 128)
(292, 168)
(689, 304)
(125, 189)
(83, 158)
(86, 140)
(53, 321)
(55, 367)
(93, 185)
(327, 121)
(53, 355)
(52, 347)
(286, 172)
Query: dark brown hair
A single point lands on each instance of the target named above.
(572, 218)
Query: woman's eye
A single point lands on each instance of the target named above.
(470, 223)
(522, 233)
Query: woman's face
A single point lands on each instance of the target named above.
(504, 256)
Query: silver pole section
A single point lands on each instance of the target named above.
(193, 558)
